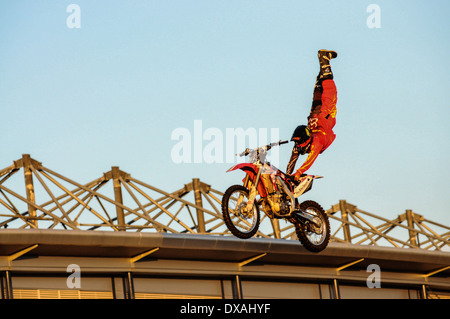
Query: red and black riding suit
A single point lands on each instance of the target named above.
(321, 121)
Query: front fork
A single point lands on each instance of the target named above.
(252, 187)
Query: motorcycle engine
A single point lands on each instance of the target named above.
(279, 204)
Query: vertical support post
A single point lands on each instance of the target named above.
(128, 286)
(237, 288)
(113, 287)
(335, 290)
(346, 227)
(423, 292)
(29, 187)
(198, 202)
(2, 288)
(8, 286)
(276, 228)
(118, 198)
(412, 234)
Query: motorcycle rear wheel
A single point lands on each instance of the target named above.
(314, 238)
(241, 224)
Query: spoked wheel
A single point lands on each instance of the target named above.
(314, 236)
(242, 223)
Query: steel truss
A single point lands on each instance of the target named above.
(360, 227)
(52, 201)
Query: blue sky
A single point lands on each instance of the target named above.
(112, 92)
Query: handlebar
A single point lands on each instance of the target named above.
(262, 148)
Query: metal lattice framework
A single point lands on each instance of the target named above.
(409, 229)
(52, 201)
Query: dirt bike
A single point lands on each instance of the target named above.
(278, 198)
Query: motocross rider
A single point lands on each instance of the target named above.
(318, 135)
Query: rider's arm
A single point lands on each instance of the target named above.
(312, 156)
(292, 161)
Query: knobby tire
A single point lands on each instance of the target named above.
(228, 219)
(302, 230)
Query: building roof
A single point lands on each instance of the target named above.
(65, 243)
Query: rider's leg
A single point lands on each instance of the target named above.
(329, 98)
(326, 76)
(325, 94)
(317, 97)
(325, 73)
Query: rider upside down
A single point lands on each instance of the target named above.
(318, 135)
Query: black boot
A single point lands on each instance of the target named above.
(325, 56)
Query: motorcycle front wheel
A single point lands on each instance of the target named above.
(241, 223)
(314, 237)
